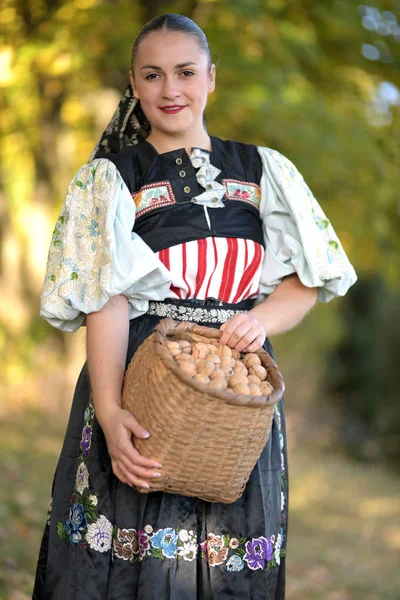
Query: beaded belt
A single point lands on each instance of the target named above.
(210, 310)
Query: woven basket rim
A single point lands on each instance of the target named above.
(168, 326)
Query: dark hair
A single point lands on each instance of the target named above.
(173, 22)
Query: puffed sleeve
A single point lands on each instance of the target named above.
(94, 254)
(299, 237)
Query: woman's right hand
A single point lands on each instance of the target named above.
(128, 464)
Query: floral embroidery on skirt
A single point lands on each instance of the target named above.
(112, 524)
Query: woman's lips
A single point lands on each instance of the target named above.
(172, 111)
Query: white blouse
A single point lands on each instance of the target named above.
(94, 254)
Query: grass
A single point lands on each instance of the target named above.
(344, 520)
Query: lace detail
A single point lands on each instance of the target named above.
(205, 176)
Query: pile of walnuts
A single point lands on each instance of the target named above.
(221, 367)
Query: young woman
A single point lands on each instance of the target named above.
(165, 219)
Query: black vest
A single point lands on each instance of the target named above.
(172, 218)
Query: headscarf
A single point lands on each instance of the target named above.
(127, 126)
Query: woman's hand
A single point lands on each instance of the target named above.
(243, 332)
(128, 464)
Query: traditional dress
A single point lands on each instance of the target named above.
(198, 237)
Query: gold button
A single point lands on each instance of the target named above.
(178, 161)
(182, 173)
(209, 186)
(186, 189)
(215, 199)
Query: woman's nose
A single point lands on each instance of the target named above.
(171, 88)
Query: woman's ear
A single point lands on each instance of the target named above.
(132, 80)
(211, 79)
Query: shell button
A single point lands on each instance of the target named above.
(186, 189)
(209, 186)
(178, 161)
(182, 173)
(215, 199)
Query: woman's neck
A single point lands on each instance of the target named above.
(166, 143)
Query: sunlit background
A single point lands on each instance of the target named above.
(320, 82)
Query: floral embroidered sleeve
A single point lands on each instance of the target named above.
(299, 237)
(94, 254)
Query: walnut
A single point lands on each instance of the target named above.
(201, 378)
(218, 384)
(251, 360)
(259, 371)
(204, 366)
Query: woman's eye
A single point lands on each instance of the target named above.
(152, 76)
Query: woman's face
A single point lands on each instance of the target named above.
(171, 70)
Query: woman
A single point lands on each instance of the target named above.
(213, 223)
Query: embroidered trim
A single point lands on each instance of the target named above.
(180, 544)
(152, 196)
(243, 190)
(188, 313)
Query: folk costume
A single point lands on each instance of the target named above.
(198, 237)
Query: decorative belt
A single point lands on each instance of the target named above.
(210, 310)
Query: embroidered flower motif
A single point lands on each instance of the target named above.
(233, 543)
(243, 190)
(235, 563)
(99, 534)
(86, 440)
(258, 552)
(152, 196)
(277, 551)
(282, 500)
(144, 543)
(82, 478)
(214, 549)
(126, 544)
(93, 228)
(183, 535)
(76, 523)
(187, 547)
(88, 414)
(166, 540)
(93, 499)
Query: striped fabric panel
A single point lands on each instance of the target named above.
(224, 268)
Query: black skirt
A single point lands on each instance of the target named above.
(103, 540)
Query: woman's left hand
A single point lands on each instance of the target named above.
(243, 332)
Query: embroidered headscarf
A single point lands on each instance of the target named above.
(127, 126)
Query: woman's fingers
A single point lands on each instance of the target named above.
(124, 476)
(138, 471)
(132, 424)
(242, 332)
(256, 345)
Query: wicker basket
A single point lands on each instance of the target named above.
(207, 440)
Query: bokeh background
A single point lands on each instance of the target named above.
(318, 81)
